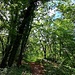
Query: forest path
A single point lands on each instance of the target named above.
(37, 69)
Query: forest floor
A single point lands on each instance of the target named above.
(51, 68)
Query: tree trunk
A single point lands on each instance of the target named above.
(23, 45)
(2, 46)
(4, 60)
(45, 52)
(22, 28)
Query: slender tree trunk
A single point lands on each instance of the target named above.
(2, 46)
(22, 28)
(23, 46)
(4, 60)
(60, 48)
(45, 52)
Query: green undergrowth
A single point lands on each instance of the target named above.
(50, 67)
(58, 69)
(18, 71)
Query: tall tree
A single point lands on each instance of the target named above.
(23, 28)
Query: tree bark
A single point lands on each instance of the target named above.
(2, 46)
(44, 52)
(4, 60)
(22, 28)
(23, 46)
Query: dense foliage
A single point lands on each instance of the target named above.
(33, 30)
